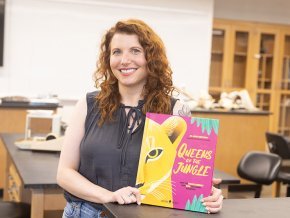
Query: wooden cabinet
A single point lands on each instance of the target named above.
(12, 120)
(31, 177)
(14, 184)
(253, 56)
(234, 140)
(14, 187)
(229, 57)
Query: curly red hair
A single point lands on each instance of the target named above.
(158, 88)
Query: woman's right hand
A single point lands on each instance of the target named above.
(127, 195)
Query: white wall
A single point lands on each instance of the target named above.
(272, 11)
(51, 46)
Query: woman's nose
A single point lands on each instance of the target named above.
(125, 59)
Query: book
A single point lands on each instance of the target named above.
(177, 161)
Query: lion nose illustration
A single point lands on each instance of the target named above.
(139, 185)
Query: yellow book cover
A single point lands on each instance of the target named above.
(177, 161)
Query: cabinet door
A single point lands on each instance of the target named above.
(229, 57)
(284, 84)
(285, 50)
(219, 62)
(239, 57)
(266, 41)
(284, 114)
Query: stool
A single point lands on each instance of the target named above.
(14, 210)
(284, 177)
(258, 167)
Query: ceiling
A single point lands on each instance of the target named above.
(273, 11)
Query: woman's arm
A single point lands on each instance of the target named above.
(68, 176)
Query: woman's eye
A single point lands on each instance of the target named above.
(154, 154)
(135, 51)
(116, 52)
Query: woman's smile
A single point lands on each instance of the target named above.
(127, 71)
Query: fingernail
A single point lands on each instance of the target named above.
(207, 210)
(204, 204)
(202, 200)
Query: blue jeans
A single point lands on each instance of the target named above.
(81, 210)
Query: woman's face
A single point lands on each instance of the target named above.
(127, 61)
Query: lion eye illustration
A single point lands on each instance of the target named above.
(154, 154)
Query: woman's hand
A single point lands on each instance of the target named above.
(214, 202)
(127, 195)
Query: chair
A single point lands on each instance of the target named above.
(258, 167)
(284, 177)
(280, 145)
(14, 210)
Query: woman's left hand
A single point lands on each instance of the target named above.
(214, 202)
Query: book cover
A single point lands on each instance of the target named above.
(177, 161)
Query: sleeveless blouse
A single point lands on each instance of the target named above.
(109, 154)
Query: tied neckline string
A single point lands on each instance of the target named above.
(127, 131)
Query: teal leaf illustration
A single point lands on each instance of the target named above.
(194, 202)
(195, 205)
(206, 124)
(187, 206)
(215, 124)
(201, 207)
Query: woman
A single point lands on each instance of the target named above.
(99, 158)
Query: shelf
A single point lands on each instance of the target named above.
(264, 91)
(234, 89)
(267, 56)
(241, 54)
(219, 89)
(215, 89)
(285, 92)
(217, 52)
(264, 104)
(285, 106)
(264, 80)
(284, 128)
(285, 80)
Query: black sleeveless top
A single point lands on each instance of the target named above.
(109, 154)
